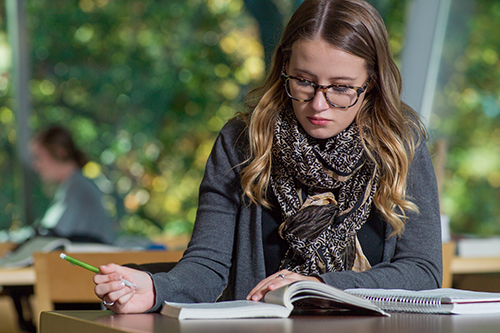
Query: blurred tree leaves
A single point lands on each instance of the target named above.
(467, 116)
(145, 86)
(9, 213)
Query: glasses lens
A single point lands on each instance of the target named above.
(342, 96)
(300, 90)
(305, 91)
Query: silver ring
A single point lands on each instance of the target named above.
(107, 304)
(281, 276)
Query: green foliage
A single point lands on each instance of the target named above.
(467, 114)
(9, 211)
(145, 86)
(394, 14)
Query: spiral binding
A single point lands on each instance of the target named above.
(403, 303)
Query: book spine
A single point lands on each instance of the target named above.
(397, 303)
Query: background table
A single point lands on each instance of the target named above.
(107, 322)
(460, 265)
(24, 276)
(17, 285)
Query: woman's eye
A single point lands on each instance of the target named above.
(304, 83)
(340, 89)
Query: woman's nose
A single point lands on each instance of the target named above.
(319, 102)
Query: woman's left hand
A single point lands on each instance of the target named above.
(275, 281)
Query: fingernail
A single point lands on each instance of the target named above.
(255, 297)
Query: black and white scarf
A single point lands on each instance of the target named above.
(340, 183)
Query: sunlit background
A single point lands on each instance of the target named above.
(145, 86)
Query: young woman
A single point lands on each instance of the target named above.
(326, 178)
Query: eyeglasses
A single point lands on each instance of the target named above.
(337, 95)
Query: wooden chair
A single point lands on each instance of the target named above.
(448, 255)
(57, 281)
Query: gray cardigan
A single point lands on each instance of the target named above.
(225, 257)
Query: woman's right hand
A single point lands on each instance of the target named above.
(111, 289)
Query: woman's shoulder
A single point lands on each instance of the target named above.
(82, 187)
(235, 133)
(235, 126)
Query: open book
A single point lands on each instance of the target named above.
(321, 297)
(23, 255)
(277, 303)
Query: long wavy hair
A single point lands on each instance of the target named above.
(390, 130)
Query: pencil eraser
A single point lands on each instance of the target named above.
(62, 256)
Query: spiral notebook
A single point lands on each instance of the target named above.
(445, 300)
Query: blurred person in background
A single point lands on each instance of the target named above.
(76, 212)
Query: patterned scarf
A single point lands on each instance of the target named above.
(320, 230)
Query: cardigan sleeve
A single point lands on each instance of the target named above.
(202, 273)
(414, 260)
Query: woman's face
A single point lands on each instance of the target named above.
(319, 62)
(44, 164)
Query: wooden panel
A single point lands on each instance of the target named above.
(448, 255)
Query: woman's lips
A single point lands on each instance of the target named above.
(318, 121)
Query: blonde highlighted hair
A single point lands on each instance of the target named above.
(390, 130)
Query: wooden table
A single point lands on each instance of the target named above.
(461, 265)
(17, 276)
(15, 282)
(107, 322)
(24, 276)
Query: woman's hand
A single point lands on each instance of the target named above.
(275, 281)
(120, 298)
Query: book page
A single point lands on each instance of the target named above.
(321, 294)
